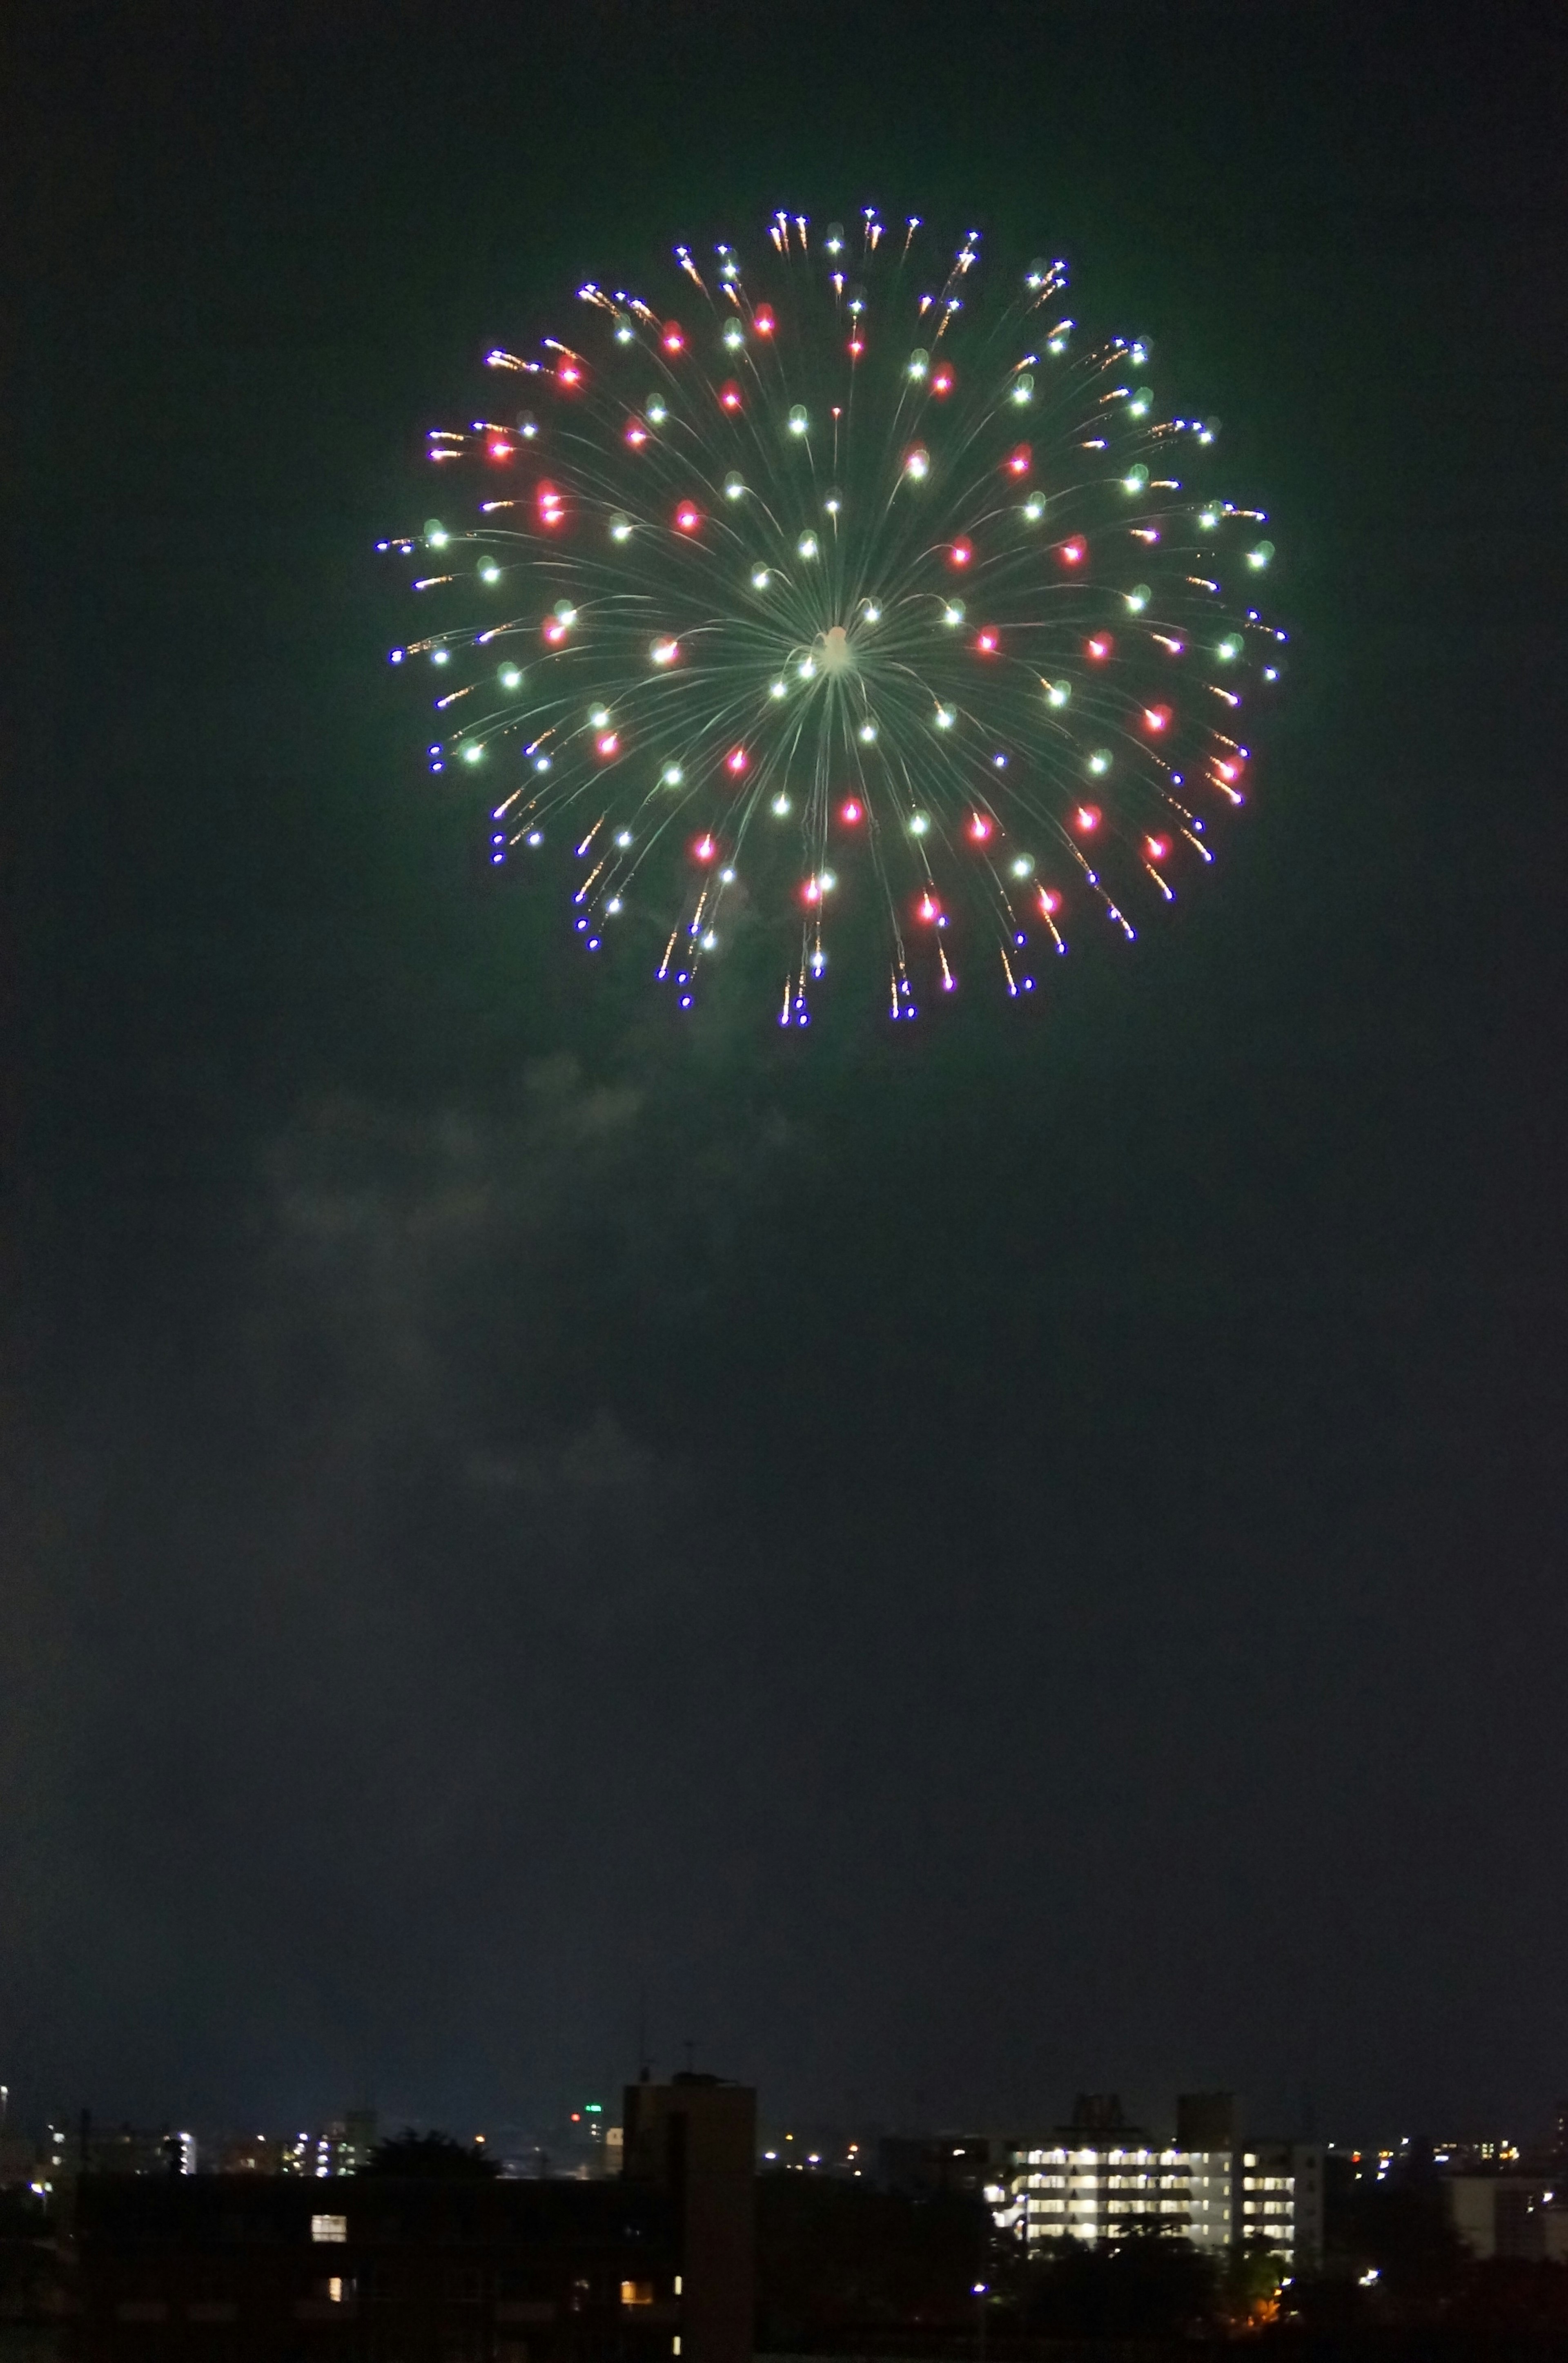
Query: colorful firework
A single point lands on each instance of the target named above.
(831, 598)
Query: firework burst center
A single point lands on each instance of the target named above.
(836, 652)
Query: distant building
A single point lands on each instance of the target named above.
(249, 2154)
(1503, 2215)
(831, 2150)
(1100, 2177)
(1206, 2121)
(341, 2147)
(583, 2146)
(87, 2147)
(921, 2165)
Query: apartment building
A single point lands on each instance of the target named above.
(1100, 2177)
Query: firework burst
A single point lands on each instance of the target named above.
(833, 597)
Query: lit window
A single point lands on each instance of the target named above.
(329, 2227)
(637, 2292)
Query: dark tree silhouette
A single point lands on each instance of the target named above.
(429, 2157)
(1148, 2285)
(836, 2260)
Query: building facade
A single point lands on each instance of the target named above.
(1280, 2196)
(695, 2138)
(654, 2266)
(1100, 2178)
(370, 2269)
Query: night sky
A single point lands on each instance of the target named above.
(961, 1567)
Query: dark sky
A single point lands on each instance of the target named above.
(966, 1567)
